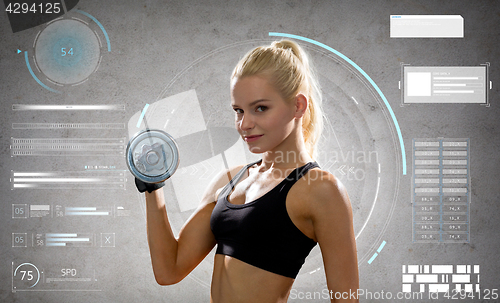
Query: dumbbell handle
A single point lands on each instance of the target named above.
(150, 187)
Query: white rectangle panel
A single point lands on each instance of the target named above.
(439, 287)
(418, 84)
(426, 144)
(468, 287)
(426, 171)
(427, 278)
(454, 181)
(406, 287)
(454, 153)
(460, 278)
(426, 162)
(427, 190)
(455, 144)
(407, 278)
(454, 162)
(427, 181)
(413, 269)
(447, 84)
(426, 26)
(39, 207)
(442, 269)
(454, 190)
(427, 153)
(454, 171)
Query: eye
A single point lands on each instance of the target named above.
(238, 110)
(261, 108)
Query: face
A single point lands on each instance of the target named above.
(263, 119)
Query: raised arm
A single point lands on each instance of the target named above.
(173, 259)
(333, 227)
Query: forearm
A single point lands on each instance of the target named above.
(344, 281)
(344, 293)
(163, 245)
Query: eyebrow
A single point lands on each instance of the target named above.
(253, 102)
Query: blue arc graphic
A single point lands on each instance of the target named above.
(142, 115)
(35, 77)
(100, 25)
(396, 124)
(378, 251)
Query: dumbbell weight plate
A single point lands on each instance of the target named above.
(152, 156)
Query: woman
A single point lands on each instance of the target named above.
(272, 213)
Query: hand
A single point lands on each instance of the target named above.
(150, 187)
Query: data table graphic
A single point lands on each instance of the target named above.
(441, 190)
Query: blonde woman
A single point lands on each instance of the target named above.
(270, 215)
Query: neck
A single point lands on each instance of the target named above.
(290, 153)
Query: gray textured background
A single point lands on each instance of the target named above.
(153, 41)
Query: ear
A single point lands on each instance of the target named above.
(301, 103)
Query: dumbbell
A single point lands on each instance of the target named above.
(152, 156)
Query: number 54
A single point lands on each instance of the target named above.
(63, 51)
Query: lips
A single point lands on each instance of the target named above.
(252, 138)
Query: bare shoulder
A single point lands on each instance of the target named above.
(324, 190)
(329, 208)
(218, 182)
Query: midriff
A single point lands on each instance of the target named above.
(234, 281)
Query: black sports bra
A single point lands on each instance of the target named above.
(260, 232)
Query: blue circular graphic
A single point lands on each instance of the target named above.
(67, 51)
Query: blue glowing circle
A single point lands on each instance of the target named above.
(67, 51)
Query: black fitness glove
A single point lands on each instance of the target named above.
(150, 187)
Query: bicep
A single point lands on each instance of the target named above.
(333, 228)
(196, 239)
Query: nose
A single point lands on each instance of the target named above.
(246, 123)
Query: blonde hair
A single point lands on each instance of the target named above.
(287, 66)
